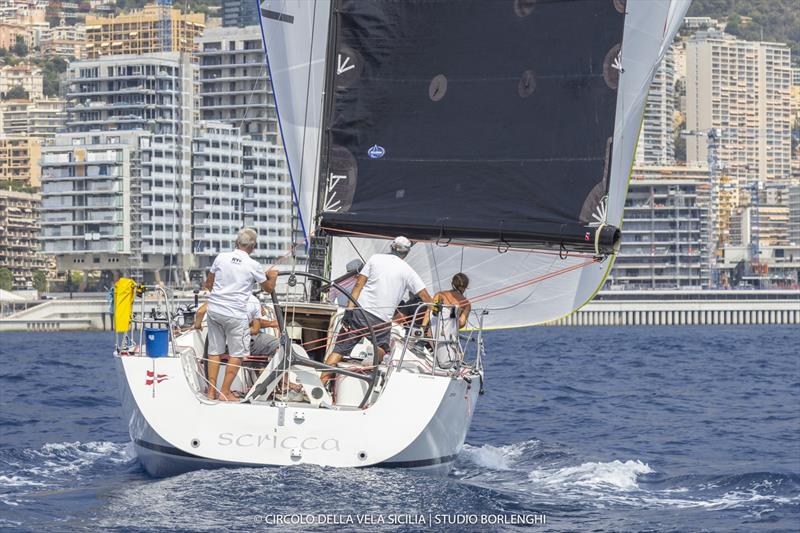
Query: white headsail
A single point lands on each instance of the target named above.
(295, 34)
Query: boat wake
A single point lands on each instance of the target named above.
(57, 466)
(547, 475)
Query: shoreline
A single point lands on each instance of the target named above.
(609, 308)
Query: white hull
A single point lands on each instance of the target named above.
(419, 421)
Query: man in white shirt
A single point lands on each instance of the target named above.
(380, 286)
(261, 343)
(231, 282)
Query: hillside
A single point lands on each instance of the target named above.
(778, 19)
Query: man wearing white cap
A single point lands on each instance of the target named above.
(380, 286)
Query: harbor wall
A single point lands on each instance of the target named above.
(639, 313)
(641, 308)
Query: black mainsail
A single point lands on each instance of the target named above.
(479, 120)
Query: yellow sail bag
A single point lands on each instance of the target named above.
(124, 290)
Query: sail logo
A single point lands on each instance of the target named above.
(376, 152)
(152, 377)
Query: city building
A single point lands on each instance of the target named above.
(656, 146)
(761, 226)
(19, 160)
(146, 94)
(239, 13)
(41, 118)
(91, 198)
(142, 32)
(234, 82)
(268, 200)
(793, 201)
(10, 32)
(238, 182)
(19, 237)
(22, 10)
(665, 230)
(741, 89)
(217, 189)
(65, 41)
(26, 76)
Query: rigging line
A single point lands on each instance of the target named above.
(356, 249)
(503, 290)
(528, 297)
(463, 244)
(436, 269)
(538, 279)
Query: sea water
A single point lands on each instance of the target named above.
(605, 429)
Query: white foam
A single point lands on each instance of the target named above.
(496, 457)
(616, 475)
(56, 460)
(17, 481)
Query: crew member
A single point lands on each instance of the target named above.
(380, 286)
(448, 316)
(231, 282)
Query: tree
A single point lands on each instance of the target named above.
(52, 67)
(17, 92)
(6, 279)
(40, 281)
(20, 48)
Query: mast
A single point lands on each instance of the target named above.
(319, 261)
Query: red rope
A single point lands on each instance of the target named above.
(496, 292)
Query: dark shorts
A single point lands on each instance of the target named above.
(355, 326)
(264, 344)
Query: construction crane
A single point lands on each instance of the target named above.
(165, 24)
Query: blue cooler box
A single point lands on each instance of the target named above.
(156, 341)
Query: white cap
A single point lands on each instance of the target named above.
(401, 244)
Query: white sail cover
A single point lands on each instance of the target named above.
(650, 26)
(295, 34)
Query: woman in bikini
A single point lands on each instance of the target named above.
(446, 319)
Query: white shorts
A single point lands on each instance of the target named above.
(228, 331)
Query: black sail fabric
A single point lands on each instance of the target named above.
(486, 120)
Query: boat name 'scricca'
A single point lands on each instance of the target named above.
(249, 440)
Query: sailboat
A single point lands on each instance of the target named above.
(498, 135)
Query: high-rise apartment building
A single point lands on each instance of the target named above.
(268, 200)
(741, 88)
(665, 235)
(239, 13)
(143, 32)
(217, 189)
(41, 118)
(656, 145)
(234, 82)
(148, 94)
(19, 160)
(238, 182)
(91, 184)
(19, 237)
